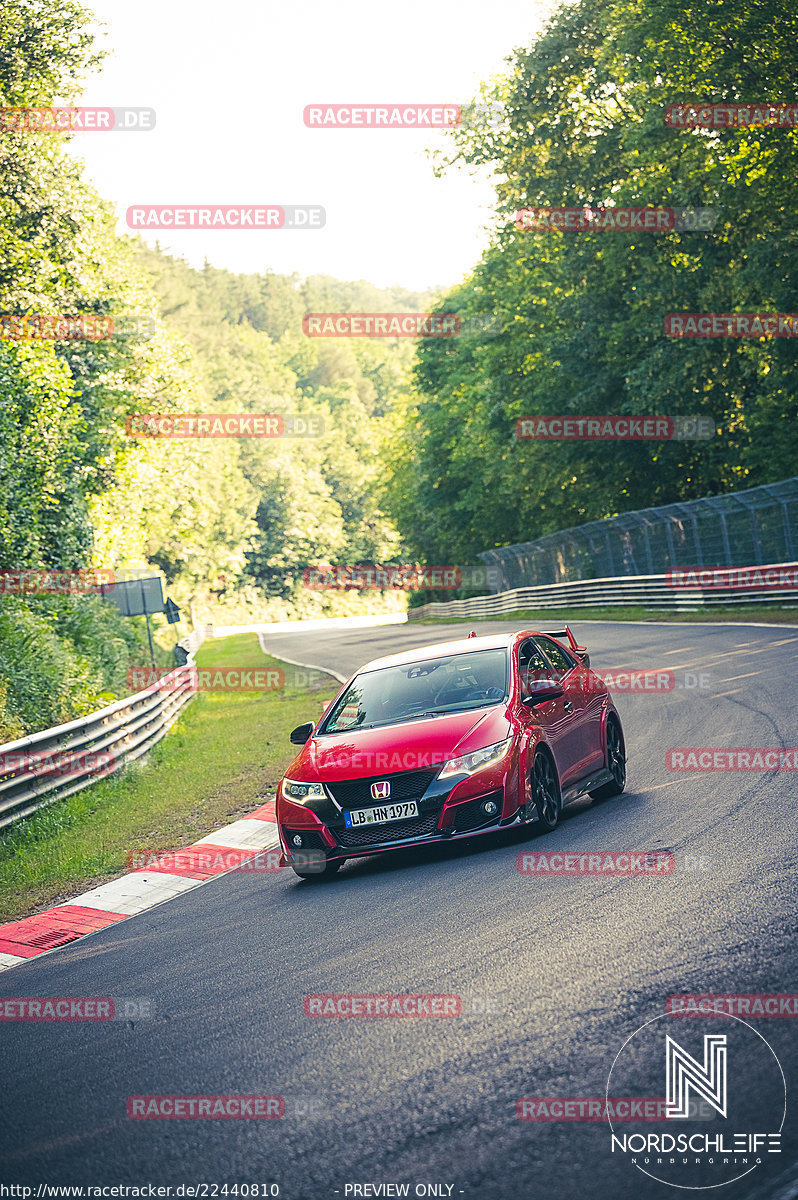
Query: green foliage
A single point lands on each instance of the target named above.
(43, 516)
(300, 501)
(61, 657)
(216, 517)
(582, 314)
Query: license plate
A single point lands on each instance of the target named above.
(381, 815)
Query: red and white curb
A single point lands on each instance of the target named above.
(191, 866)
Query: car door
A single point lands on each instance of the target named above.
(575, 679)
(557, 718)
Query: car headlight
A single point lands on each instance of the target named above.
(467, 764)
(294, 789)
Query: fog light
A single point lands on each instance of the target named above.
(297, 839)
(490, 808)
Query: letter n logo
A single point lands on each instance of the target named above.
(683, 1072)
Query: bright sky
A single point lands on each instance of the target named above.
(229, 83)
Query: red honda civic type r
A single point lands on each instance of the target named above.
(450, 741)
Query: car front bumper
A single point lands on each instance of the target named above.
(438, 821)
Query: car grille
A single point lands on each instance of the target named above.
(406, 785)
(470, 816)
(396, 831)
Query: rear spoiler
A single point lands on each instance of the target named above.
(581, 652)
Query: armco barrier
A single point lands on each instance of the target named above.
(650, 591)
(47, 766)
(52, 764)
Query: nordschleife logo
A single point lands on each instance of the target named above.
(725, 1100)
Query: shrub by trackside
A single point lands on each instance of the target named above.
(62, 657)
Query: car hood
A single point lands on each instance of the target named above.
(411, 745)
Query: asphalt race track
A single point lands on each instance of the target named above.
(554, 973)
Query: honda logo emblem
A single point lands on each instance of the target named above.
(381, 790)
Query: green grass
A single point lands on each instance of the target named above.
(540, 618)
(222, 758)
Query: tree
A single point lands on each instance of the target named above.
(582, 314)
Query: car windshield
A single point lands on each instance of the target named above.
(452, 683)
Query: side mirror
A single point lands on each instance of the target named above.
(302, 733)
(548, 691)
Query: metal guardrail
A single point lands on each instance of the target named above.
(47, 766)
(44, 767)
(192, 642)
(650, 591)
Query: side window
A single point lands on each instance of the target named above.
(559, 658)
(532, 666)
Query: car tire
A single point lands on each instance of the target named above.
(616, 762)
(545, 791)
(330, 868)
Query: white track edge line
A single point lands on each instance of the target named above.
(295, 662)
